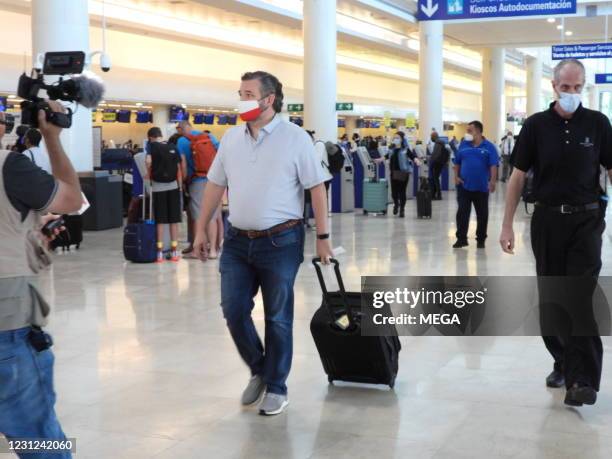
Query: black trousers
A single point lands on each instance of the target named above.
(480, 200)
(398, 192)
(570, 245)
(436, 172)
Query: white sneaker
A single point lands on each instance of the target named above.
(253, 391)
(273, 404)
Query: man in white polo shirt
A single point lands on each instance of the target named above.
(266, 164)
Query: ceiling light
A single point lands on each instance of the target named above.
(139, 104)
(569, 33)
(12, 96)
(551, 20)
(559, 27)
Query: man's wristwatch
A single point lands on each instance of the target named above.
(322, 237)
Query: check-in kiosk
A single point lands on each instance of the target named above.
(343, 186)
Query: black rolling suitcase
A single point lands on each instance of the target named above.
(424, 200)
(346, 354)
(73, 234)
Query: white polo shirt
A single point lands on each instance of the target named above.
(266, 177)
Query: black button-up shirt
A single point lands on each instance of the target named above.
(565, 155)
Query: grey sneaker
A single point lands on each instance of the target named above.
(253, 391)
(273, 404)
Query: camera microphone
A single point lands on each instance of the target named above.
(90, 90)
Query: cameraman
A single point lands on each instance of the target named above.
(27, 192)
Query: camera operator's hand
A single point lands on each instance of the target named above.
(46, 219)
(46, 128)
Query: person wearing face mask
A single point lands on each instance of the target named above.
(266, 163)
(399, 163)
(475, 177)
(565, 147)
(437, 162)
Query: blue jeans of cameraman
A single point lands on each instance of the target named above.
(27, 398)
(270, 263)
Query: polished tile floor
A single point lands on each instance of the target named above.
(146, 369)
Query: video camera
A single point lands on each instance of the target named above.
(83, 89)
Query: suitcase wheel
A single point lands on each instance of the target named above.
(78, 246)
(384, 212)
(330, 380)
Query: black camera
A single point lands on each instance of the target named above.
(85, 90)
(9, 122)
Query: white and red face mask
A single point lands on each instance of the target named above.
(250, 110)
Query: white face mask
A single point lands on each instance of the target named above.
(569, 102)
(469, 137)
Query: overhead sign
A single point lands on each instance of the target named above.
(295, 107)
(592, 51)
(603, 78)
(344, 106)
(410, 121)
(431, 10)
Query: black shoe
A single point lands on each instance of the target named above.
(481, 244)
(460, 244)
(555, 380)
(401, 214)
(395, 209)
(579, 395)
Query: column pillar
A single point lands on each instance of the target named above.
(63, 25)
(493, 89)
(161, 119)
(534, 84)
(593, 97)
(431, 69)
(320, 68)
(351, 126)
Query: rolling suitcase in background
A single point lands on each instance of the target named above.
(346, 354)
(424, 200)
(73, 234)
(375, 196)
(140, 239)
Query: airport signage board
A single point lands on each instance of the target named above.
(603, 78)
(446, 10)
(344, 106)
(589, 51)
(340, 107)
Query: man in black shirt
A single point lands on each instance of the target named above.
(565, 147)
(27, 397)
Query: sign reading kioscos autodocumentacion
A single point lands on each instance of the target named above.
(588, 51)
(430, 10)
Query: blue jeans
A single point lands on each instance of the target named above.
(27, 397)
(270, 263)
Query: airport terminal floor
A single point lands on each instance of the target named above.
(145, 367)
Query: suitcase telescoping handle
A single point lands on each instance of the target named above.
(347, 310)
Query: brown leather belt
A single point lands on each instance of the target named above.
(256, 234)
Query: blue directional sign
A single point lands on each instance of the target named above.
(603, 78)
(431, 10)
(590, 51)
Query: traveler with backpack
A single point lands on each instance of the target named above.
(198, 150)
(31, 140)
(163, 162)
(399, 163)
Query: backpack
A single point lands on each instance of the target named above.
(335, 161)
(164, 162)
(203, 152)
(440, 154)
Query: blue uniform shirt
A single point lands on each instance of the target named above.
(184, 148)
(475, 164)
